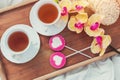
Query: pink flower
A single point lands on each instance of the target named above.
(99, 40)
(78, 8)
(79, 25)
(95, 26)
(64, 11)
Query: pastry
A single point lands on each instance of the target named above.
(109, 8)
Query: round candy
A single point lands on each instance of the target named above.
(57, 60)
(57, 43)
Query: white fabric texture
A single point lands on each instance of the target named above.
(116, 63)
(100, 70)
(5, 3)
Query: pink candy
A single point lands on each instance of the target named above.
(57, 60)
(57, 43)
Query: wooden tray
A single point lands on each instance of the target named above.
(40, 66)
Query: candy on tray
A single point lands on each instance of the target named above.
(100, 43)
(58, 59)
(57, 43)
(58, 46)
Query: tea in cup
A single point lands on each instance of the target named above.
(17, 40)
(48, 12)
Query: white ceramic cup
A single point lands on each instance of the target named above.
(12, 30)
(43, 2)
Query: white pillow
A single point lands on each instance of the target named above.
(116, 64)
(3, 3)
(100, 70)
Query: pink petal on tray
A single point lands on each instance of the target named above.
(64, 11)
(95, 26)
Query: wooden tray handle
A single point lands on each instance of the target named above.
(2, 72)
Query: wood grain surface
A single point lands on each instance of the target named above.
(40, 66)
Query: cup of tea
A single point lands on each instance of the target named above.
(17, 40)
(47, 12)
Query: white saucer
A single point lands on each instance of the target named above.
(30, 53)
(45, 29)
